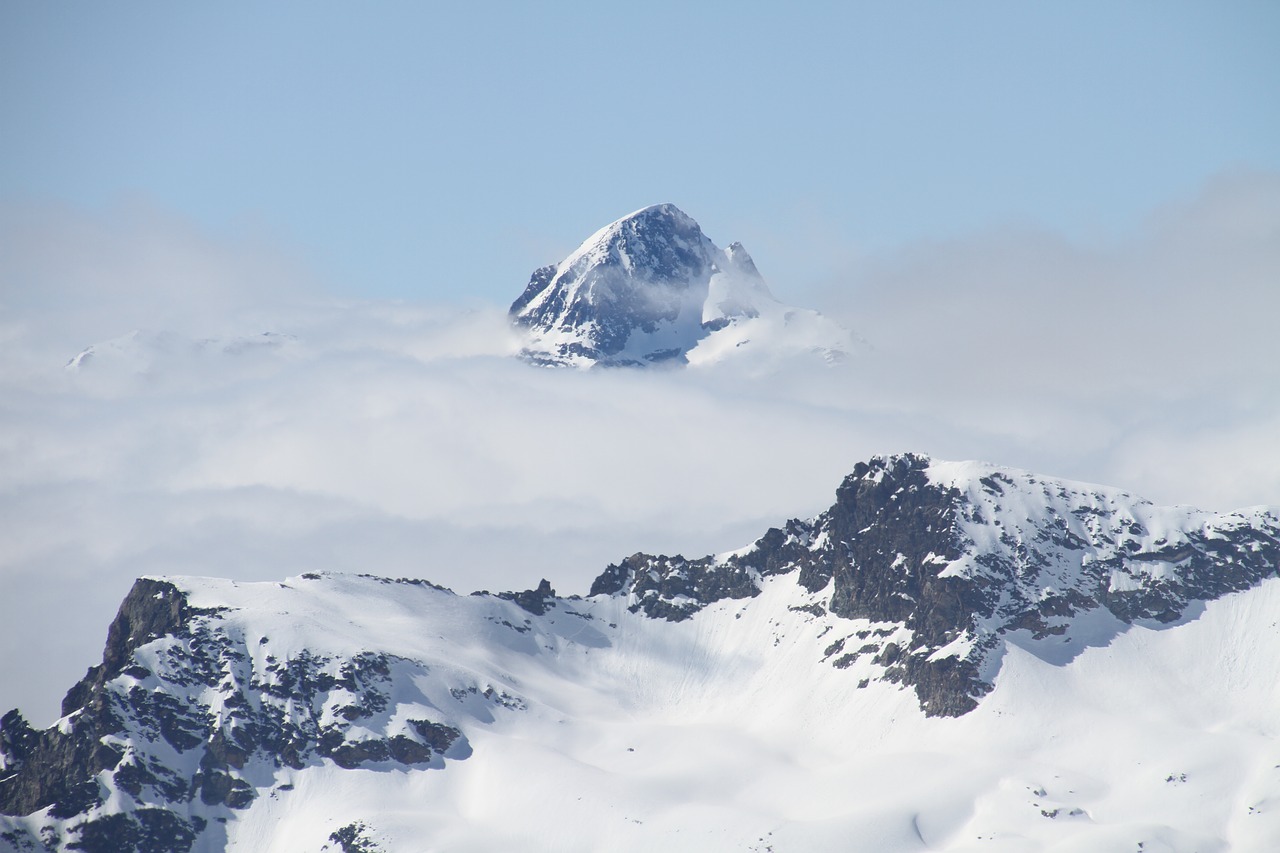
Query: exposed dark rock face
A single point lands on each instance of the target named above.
(640, 276)
(890, 531)
(17, 740)
(354, 838)
(134, 710)
(146, 830)
(535, 601)
(650, 289)
(648, 273)
(152, 609)
(960, 570)
(53, 768)
(674, 588)
(538, 282)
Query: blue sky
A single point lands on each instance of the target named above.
(442, 151)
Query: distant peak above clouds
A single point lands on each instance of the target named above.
(141, 350)
(651, 288)
(145, 359)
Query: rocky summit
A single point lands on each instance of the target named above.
(363, 713)
(651, 288)
(958, 558)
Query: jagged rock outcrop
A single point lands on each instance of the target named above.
(184, 718)
(534, 601)
(53, 767)
(962, 556)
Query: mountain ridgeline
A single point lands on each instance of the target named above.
(215, 697)
(963, 557)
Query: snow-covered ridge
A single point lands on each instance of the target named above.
(968, 557)
(651, 288)
(229, 715)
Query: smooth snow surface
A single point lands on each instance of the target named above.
(618, 732)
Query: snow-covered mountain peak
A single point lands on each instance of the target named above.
(659, 243)
(967, 558)
(652, 288)
(739, 260)
(683, 700)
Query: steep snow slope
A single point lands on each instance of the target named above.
(652, 288)
(749, 701)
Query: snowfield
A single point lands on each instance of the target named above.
(722, 732)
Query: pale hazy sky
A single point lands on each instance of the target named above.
(445, 150)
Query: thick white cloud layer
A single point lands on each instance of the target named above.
(402, 439)
(1149, 362)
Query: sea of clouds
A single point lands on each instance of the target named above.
(232, 419)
